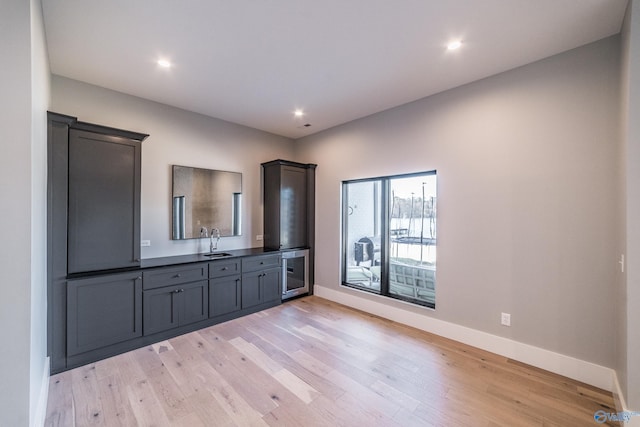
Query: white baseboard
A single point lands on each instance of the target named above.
(41, 410)
(621, 405)
(580, 370)
(618, 395)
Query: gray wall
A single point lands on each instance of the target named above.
(628, 301)
(40, 94)
(15, 182)
(621, 289)
(24, 88)
(183, 138)
(528, 168)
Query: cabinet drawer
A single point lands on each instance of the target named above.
(260, 262)
(174, 275)
(224, 268)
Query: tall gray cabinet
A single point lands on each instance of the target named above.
(289, 204)
(289, 207)
(93, 226)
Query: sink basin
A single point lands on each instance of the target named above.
(217, 255)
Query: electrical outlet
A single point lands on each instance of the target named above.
(505, 319)
(259, 237)
(145, 243)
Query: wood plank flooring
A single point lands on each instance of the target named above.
(311, 362)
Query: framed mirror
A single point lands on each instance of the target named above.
(205, 198)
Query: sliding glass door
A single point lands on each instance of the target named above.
(389, 236)
(363, 236)
(412, 238)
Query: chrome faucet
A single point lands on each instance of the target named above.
(214, 247)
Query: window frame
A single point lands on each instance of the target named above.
(385, 226)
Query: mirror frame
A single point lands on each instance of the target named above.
(182, 208)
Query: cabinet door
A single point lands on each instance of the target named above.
(251, 289)
(261, 286)
(104, 202)
(173, 306)
(271, 285)
(102, 311)
(293, 208)
(161, 309)
(194, 304)
(224, 295)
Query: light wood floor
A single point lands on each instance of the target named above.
(311, 362)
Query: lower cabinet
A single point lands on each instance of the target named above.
(224, 295)
(260, 287)
(108, 313)
(172, 306)
(103, 310)
(272, 285)
(225, 285)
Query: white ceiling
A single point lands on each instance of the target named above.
(254, 62)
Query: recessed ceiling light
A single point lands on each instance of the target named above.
(454, 45)
(298, 113)
(164, 63)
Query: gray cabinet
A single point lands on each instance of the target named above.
(224, 295)
(110, 313)
(289, 208)
(104, 202)
(172, 298)
(261, 287)
(93, 223)
(288, 204)
(172, 306)
(224, 287)
(167, 276)
(261, 280)
(103, 311)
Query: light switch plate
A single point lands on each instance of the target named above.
(145, 243)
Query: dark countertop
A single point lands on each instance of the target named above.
(192, 258)
(176, 260)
